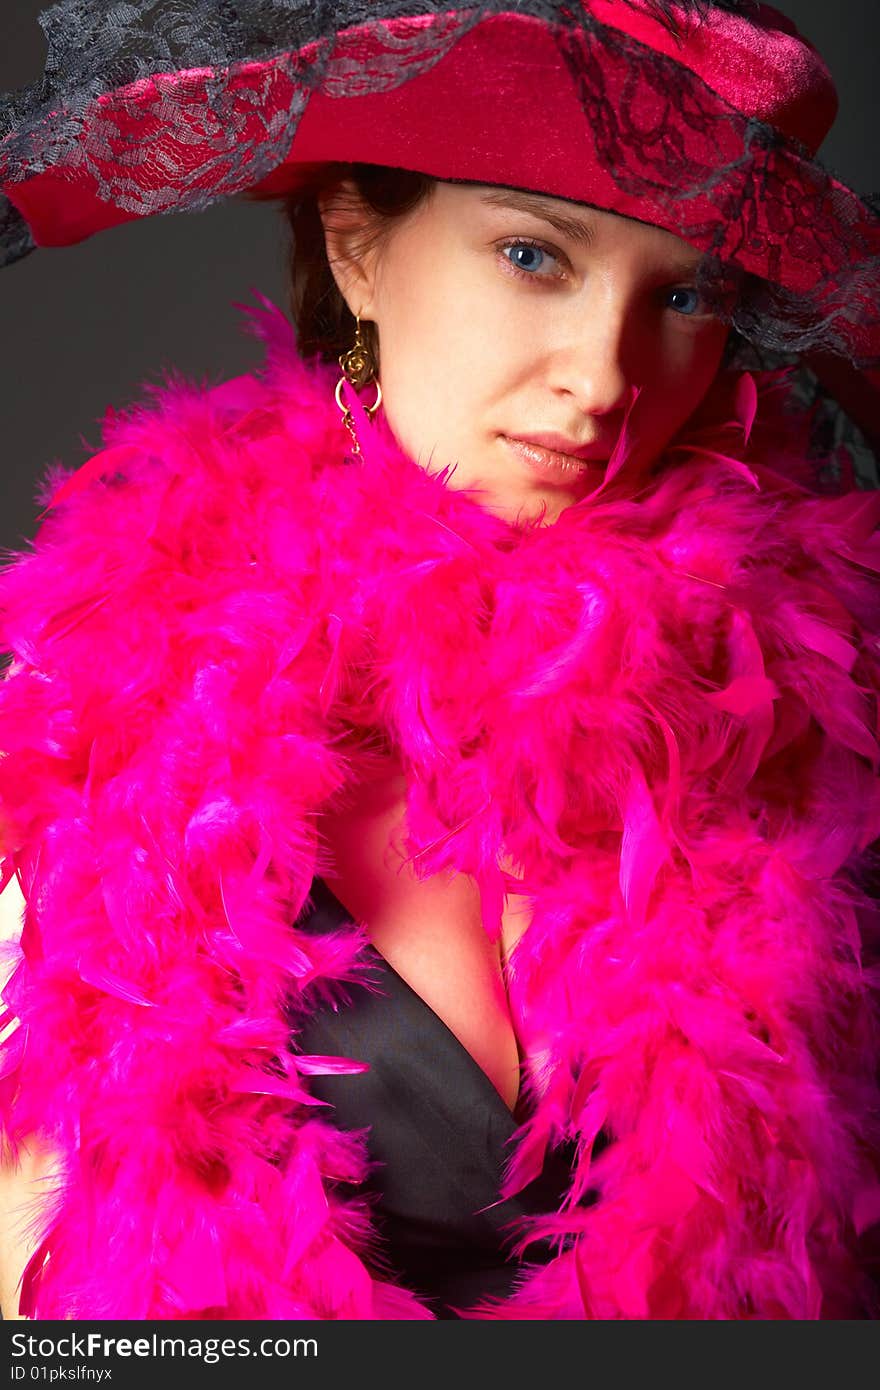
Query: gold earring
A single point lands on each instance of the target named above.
(358, 369)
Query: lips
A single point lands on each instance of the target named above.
(561, 444)
(544, 457)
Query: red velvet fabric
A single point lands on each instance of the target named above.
(761, 65)
(502, 106)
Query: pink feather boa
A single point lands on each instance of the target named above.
(663, 707)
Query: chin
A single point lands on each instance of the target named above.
(536, 507)
(519, 506)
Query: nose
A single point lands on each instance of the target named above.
(593, 365)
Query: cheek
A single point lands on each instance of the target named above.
(441, 368)
(435, 404)
(687, 374)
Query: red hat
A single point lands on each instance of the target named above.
(701, 119)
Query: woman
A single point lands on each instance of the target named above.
(444, 826)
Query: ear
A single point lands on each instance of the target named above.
(351, 236)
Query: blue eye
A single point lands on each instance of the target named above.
(525, 257)
(688, 301)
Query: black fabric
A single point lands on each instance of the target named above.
(439, 1134)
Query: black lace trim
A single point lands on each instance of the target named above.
(15, 234)
(95, 49)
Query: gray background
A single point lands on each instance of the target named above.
(84, 327)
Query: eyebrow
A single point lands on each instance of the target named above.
(581, 232)
(536, 206)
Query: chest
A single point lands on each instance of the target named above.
(430, 932)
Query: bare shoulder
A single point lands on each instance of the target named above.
(11, 911)
(24, 1180)
(11, 917)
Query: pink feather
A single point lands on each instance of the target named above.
(663, 707)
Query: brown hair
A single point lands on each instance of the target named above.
(325, 325)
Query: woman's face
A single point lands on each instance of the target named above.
(511, 328)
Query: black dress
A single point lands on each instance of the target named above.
(439, 1135)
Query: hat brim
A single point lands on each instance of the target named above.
(505, 101)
